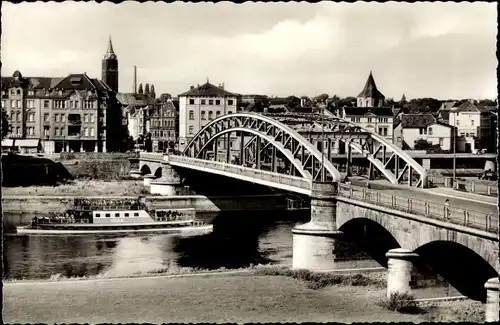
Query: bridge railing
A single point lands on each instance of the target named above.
(151, 155)
(433, 210)
(481, 187)
(245, 171)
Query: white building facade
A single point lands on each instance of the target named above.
(415, 127)
(473, 126)
(199, 106)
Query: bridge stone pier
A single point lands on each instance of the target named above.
(168, 182)
(492, 300)
(399, 270)
(314, 242)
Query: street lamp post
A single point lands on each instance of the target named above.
(323, 142)
(454, 148)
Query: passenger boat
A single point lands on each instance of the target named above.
(115, 216)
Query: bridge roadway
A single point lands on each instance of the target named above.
(459, 200)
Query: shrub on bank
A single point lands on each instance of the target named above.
(402, 302)
(321, 280)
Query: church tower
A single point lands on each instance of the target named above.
(370, 96)
(110, 68)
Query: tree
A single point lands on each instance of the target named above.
(5, 123)
(146, 89)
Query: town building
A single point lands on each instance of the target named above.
(73, 113)
(410, 128)
(473, 123)
(199, 106)
(162, 124)
(370, 112)
(135, 111)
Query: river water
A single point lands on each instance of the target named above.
(239, 240)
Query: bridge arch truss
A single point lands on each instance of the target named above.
(271, 141)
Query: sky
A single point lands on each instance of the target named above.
(440, 50)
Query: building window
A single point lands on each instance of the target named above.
(31, 131)
(423, 131)
(191, 129)
(230, 102)
(458, 122)
(31, 117)
(191, 115)
(383, 120)
(191, 102)
(211, 102)
(63, 118)
(56, 118)
(210, 115)
(56, 131)
(45, 104)
(46, 117)
(217, 102)
(430, 131)
(18, 130)
(203, 117)
(369, 120)
(18, 116)
(3, 103)
(217, 114)
(472, 122)
(19, 91)
(380, 131)
(86, 132)
(31, 103)
(385, 131)
(18, 103)
(85, 118)
(356, 119)
(91, 132)
(13, 104)
(229, 112)
(203, 102)
(92, 118)
(399, 139)
(46, 131)
(12, 116)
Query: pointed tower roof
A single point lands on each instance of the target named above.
(110, 53)
(403, 99)
(370, 89)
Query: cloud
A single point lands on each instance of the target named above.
(423, 49)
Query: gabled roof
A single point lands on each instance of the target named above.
(370, 89)
(208, 90)
(362, 111)
(410, 121)
(467, 106)
(131, 99)
(446, 106)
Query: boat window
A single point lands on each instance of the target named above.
(97, 215)
(126, 214)
(136, 214)
(108, 215)
(117, 215)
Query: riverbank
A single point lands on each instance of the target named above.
(251, 296)
(82, 188)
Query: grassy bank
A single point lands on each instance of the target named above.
(83, 187)
(260, 294)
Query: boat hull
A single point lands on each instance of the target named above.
(198, 229)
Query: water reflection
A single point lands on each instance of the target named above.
(238, 240)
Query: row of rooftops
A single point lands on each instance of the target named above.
(78, 81)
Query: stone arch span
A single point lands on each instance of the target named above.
(158, 172)
(145, 169)
(370, 237)
(412, 232)
(308, 160)
(459, 265)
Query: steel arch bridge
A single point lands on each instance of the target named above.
(293, 144)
